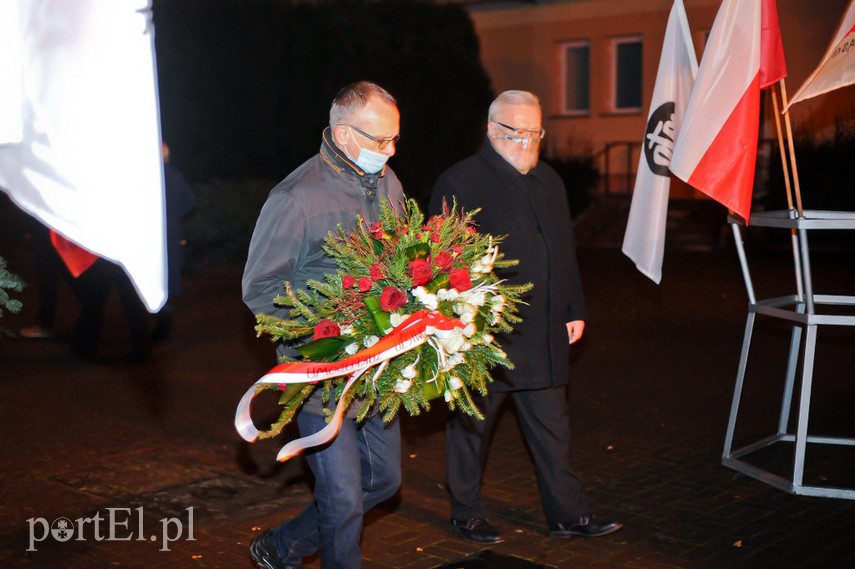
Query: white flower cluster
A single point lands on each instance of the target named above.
(450, 345)
(403, 384)
(485, 264)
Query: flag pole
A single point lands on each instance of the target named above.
(779, 129)
(803, 276)
(789, 127)
(784, 165)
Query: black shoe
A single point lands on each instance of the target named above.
(263, 551)
(478, 530)
(585, 526)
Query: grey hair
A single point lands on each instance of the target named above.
(353, 98)
(512, 98)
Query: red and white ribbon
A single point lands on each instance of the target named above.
(413, 332)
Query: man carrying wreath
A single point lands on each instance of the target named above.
(361, 467)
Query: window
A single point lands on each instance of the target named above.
(627, 66)
(575, 87)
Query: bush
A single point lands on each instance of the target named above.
(221, 227)
(826, 169)
(580, 176)
(245, 87)
(8, 282)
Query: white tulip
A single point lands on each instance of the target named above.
(369, 341)
(397, 319)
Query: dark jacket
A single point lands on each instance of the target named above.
(533, 212)
(326, 191)
(287, 243)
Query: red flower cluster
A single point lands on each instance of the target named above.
(443, 260)
(392, 299)
(420, 271)
(459, 279)
(377, 230)
(326, 329)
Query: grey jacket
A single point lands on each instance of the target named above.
(287, 244)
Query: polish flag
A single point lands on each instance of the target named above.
(837, 68)
(716, 149)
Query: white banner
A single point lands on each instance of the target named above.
(80, 128)
(837, 68)
(644, 240)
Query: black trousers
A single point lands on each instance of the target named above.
(92, 289)
(544, 417)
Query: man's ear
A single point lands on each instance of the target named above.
(492, 130)
(340, 134)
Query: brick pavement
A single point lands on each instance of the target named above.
(650, 397)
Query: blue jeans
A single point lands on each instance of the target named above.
(360, 468)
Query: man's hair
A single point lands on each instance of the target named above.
(512, 98)
(353, 98)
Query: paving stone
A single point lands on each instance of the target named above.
(650, 397)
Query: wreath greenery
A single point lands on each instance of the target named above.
(387, 271)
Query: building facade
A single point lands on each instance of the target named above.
(594, 62)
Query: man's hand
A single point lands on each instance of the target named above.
(575, 330)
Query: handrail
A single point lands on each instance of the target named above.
(632, 161)
(629, 172)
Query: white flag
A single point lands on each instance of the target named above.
(80, 129)
(644, 240)
(837, 68)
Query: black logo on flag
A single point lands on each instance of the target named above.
(659, 138)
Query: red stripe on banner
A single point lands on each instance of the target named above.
(406, 336)
(726, 171)
(413, 326)
(75, 257)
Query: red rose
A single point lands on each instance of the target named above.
(457, 249)
(392, 299)
(364, 284)
(326, 329)
(348, 282)
(434, 222)
(435, 237)
(376, 273)
(420, 271)
(443, 260)
(459, 279)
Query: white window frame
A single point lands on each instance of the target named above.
(566, 110)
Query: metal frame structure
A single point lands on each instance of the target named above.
(800, 309)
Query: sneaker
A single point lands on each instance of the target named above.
(263, 551)
(36, 331)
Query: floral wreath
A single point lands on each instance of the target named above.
(391, 274)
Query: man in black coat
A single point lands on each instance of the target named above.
(526, 201)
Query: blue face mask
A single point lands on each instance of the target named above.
(370, 161)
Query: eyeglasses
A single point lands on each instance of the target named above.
(522, 135)
(382, 143)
